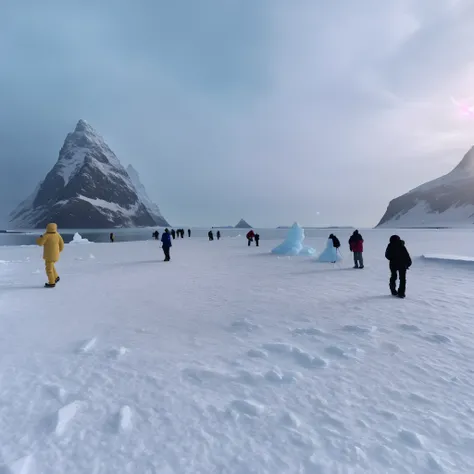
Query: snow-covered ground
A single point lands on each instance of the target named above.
(232, 360)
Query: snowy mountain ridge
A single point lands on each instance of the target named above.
(447, 201)
(152, 208)
(87, 188)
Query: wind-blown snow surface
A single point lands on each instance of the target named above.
(132, 365)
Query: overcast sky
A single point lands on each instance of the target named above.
(271, 110)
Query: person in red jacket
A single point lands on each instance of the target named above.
(356, 244)
(250, 236)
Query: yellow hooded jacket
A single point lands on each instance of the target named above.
(52, 242)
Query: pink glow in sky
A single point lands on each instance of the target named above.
(465, 107)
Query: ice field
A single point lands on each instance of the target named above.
(232, 360)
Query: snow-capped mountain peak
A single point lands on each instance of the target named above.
(87, 188)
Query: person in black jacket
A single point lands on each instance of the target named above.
(400, 261)
(335, 241)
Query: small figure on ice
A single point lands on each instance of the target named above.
(112, 237)
(356, 245)
(166, 241)
(210, 234)
(173, 233)
(257, 239)
(53, 245)
(156, 235)
(330, 254)
(250, 236)
(218, 235)
(400, 261)
(189, 232)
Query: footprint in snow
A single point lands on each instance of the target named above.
(24, 465)
(246, 407)
(409, 328)
(122, 421)
(299, 356)
(244, 325)
(437, 338)
(359, 330)
(59, 421)
(410, 439)
(308, 332)
(87, 346)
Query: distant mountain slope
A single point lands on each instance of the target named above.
(242, 225)
(86, 188)
(443, 202)
(152, 208)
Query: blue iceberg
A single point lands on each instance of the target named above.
(293, 244)
(330, 253)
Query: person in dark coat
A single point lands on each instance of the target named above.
(189, 232)
(218, 235)
(156, 235)
(173, 233)
(112, 237)
(257, 239)
(250, 236)
(356, 245)
(210, 235)
(166, 241)
(182, 233)
(400, 261)
(335, 241)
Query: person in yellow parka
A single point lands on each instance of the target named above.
(53, 245)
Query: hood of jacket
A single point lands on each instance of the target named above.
(51, 228)
(394, 239)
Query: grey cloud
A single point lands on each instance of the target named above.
(267, 111)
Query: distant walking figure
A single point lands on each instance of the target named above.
(356, 245)
(166, 241)
(400, 261)
(250, 236)
(218, 235)
(173, 233)
(210, 235)
(156, 235)
(189, 232)
(112, 237)
(257, 239)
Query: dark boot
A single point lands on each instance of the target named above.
(58, 279)
(403, 282)
(49, 285)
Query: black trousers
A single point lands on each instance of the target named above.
(166, 251)
(250, 241)
(401, 274)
